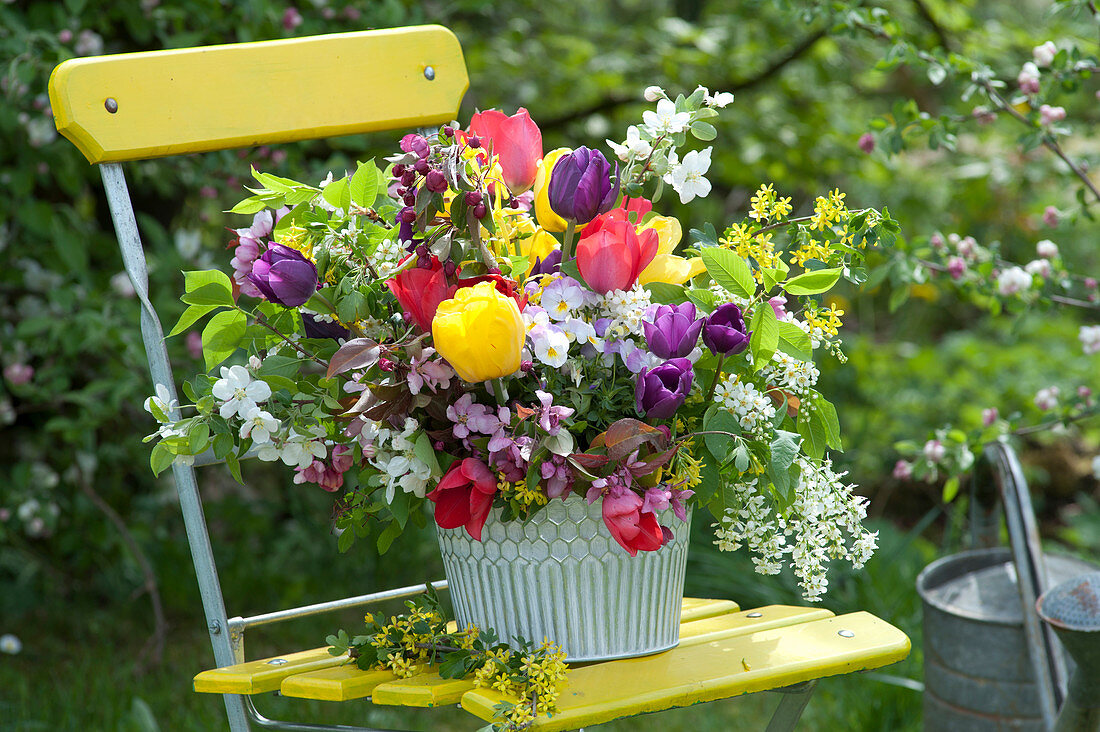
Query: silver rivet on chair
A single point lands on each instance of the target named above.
(277, 662)
(111, 105)
(753, 615)
(846, 634)
(429, 73)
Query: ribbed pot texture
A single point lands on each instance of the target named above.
(562, 576)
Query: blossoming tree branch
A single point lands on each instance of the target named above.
(486, 326)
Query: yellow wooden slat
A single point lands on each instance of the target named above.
(432, 690)
(719, 669)
(255, 677)
(334, 684)
(259, 676)
(245, 94)
(694, 608)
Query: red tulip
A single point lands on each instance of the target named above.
(517, 141)
(611, 253)
(503, 285)
(634, 530)
(419, 292)
(464, 496)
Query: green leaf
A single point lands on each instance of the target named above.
(784, 449)
(234, 464)
(765, 335)
(338, 193)
(826, 412)
(729, 271)
(347, 538)
(813, 434)
(189, 316)
(198, 437)
(400, 507)
(704, 299)
(425, 454)
(196, 279)
(364, 184)
(794, 341)
(222, 336)
(385, 539)
(951, 489)
(703, 131)
(223, 443)
(250, 205)
(212, 293)
(720, 445)
(161, 458)
(664, 293)
(813, 283)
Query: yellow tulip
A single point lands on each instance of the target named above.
(671, 269)
(546, 216)
(668, 231)
(666, 266)
(480, 332)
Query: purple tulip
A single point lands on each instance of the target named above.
(674, 330)
(319, 329)
(284, 276)
(581, 187)
(659, 392)
(548, 266)
(725, 333)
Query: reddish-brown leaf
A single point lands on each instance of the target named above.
(358, 353)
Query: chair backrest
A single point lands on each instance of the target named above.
(135, 106)
(144, 105)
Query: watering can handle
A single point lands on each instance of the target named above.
(1043, 648)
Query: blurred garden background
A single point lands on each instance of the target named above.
(894, 102)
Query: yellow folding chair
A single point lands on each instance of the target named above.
(146, 105)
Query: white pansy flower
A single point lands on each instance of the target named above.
(634, 148)
(561, 297)
(238, 391)
(259, 425)
(550, 346)
(687, 177)
(666, 120)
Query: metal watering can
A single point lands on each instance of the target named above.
(990, 663)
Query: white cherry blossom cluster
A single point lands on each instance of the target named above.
(396, 458)
(625, 309)
(753, 408)
(822, 523)
(387, 258)
(790, 374)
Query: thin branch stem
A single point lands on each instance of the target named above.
(261, 320)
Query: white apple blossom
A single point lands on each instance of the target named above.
(1089, 336)
(10, 644)
(687, 177)
(1047, 249)
(720, 99)
(238, 391)
(1047, 399)
(259, 425)
(634, 148)
(1044, 54)
(1012, 281)
(653, 93)
(666, 120)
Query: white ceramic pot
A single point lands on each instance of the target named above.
(562, 576)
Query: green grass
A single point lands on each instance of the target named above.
(76, 671)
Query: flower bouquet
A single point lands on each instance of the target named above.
(508, 340)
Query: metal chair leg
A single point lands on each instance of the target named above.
(791, 705)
